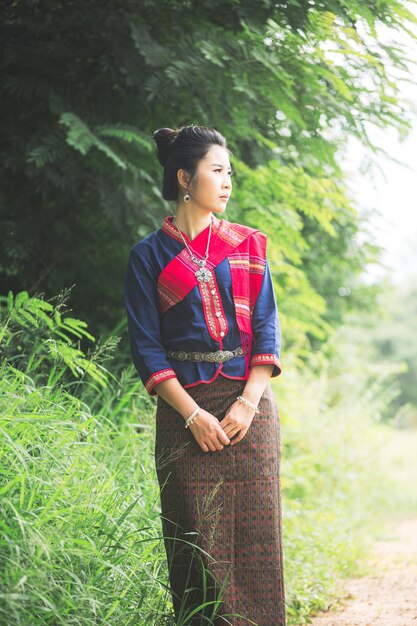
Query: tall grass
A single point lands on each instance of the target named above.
(80, 537)
(80, 533)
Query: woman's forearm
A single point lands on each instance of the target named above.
(258, 378)
(174, 393)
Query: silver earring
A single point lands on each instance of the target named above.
(187, 196)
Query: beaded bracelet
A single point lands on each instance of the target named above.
(192, 417)
(243, 400)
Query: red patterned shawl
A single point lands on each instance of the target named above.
(245, 248)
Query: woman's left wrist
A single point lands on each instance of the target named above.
(245, 401)
(253, 395)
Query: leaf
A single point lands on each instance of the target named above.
(83, 139)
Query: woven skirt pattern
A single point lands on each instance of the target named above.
(221, 514)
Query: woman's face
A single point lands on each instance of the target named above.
(213, 181)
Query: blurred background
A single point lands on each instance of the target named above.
(318, 103)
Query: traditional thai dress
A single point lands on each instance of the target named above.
(220, 511)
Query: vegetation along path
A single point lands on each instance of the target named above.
(388, 595)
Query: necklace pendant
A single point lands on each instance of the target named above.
(203, 275)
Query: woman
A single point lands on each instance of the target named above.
(205, 338)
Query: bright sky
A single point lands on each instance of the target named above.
(392, 192)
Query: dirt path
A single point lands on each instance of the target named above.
(387, 596)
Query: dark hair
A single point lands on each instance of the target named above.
(183, 148)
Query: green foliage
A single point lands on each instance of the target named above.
(36, 336)
(311, 246)
(390, 337)
(287, 84)
(344, 472)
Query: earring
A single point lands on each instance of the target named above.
(187, 196)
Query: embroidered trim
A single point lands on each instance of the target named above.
(158, 377)
(261, 359)
(210, 295)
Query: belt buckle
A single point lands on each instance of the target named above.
(225, 355)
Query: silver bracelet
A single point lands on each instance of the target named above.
(192, 417)
(243, 400)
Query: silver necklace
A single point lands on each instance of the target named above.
(203, 274)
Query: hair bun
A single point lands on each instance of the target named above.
(164, 138)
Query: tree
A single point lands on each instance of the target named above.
(84, 85)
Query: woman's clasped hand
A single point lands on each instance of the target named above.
(212, 435)
(237, 421)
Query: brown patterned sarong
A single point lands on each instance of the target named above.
(221, 514)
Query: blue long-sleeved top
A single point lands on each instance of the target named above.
(184, 326)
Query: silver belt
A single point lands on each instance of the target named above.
(210, 357)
